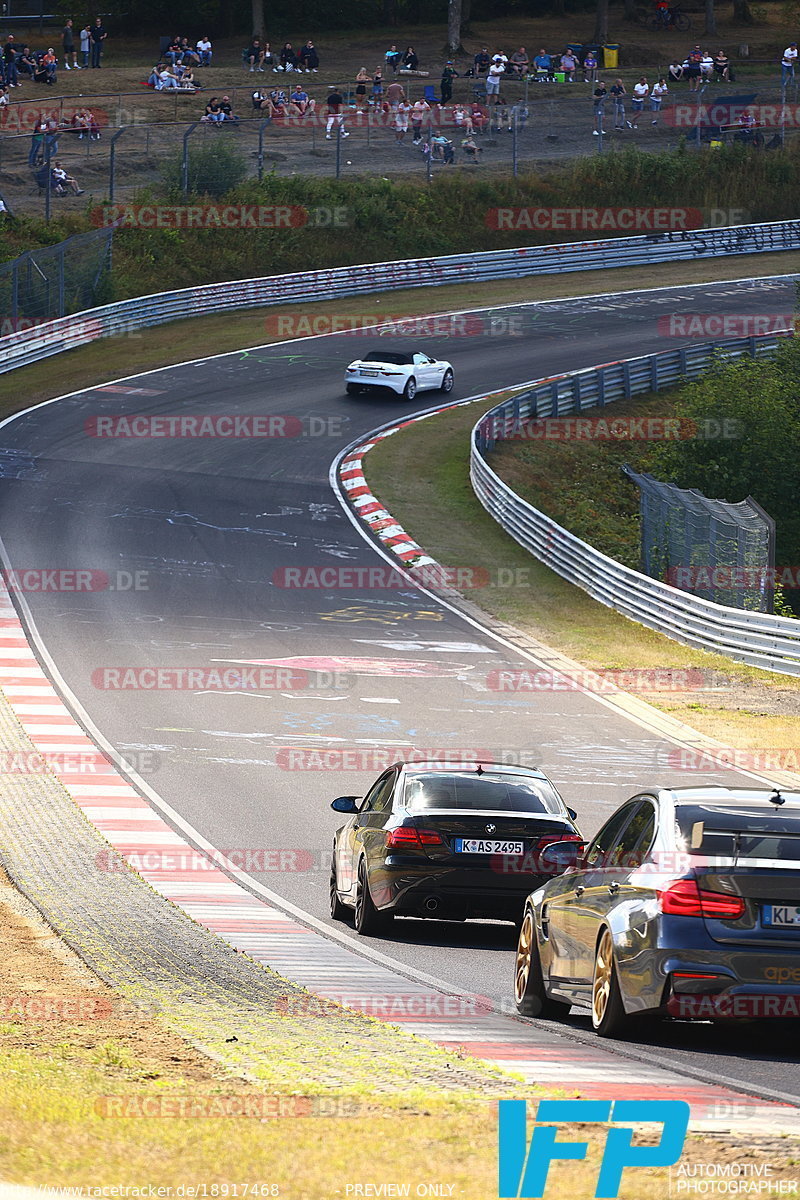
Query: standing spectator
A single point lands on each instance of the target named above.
(255, 55)
(395, 92)
(410, 59)
(569, 65)
(518, 63)
(86, 41)
(787, 63)
(362, 79)
(335, 115)
(658, 93)
(99, 35)
(493, 81)
(36, 152)
(68, 46)
(599, 103)
(419, 114)
(377, 86)
(544, 66)
(288, 58)
(205, 51)
(482, 61)
(10, 61)
(590, 67)
(401, 120)
(617, 90)
(449, 73)
(641, 91)
(692, 69)
(308, 58)
(392, 57)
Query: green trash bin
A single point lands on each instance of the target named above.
(560, 76)
(611, 56)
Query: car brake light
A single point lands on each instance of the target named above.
(684, 898)
(549, 838)
(409, 835)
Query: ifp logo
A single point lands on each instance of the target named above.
(523, 1168)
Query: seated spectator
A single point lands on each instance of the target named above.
(278, 104)
(3, 96)
(471, 147)
(393, 57)
(172, 52)
(569, 64)
(722, 65)
(85, 124)
(461, 118)
(204, 51)
(479, 117)
(442, 148)
(675, 71)
(308, 59)
(288, 58)
(50, 62)
(186, 81)
(299, 101)
(167, 80)
(410, 59)
(152, 78)
(707, 66)
(63, 181)
(26, 63)
(43, 72)
(189, 57)
(482, 61)
(213, 113)
(261, 101)
(543, 63)
(518, 63)
(590, 67)
(269, 57)
(226, 109)
(255, 55)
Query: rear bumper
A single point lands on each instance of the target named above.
(440, 892)
(384, 384)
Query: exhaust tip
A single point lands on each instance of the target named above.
(431, 904)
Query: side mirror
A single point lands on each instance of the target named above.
(346, 804)
(573, 814)
(557, 857)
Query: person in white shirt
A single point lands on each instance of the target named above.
(641, 91)
(205, 52)
(419, 112)
(787, 62)
(401, 114)
(496, 70)
(707, 66)
(660, 90)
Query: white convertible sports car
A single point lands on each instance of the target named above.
(403, 372)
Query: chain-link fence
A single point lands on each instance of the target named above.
(719, 551)
(54, 281)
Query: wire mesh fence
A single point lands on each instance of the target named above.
(54, 281)
(723, 552)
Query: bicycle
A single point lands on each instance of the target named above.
(670, 18)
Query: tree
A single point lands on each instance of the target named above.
(259, 24)
(454, 14)
(711, 19)
(630, 11)
(742, 14)
(601, 22)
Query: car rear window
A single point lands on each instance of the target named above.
(388, 356)
(763, 832)
(490, 793)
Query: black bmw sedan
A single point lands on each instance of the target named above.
(447, 841)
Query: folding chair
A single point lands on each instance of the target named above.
(430, 94)
(479, 91)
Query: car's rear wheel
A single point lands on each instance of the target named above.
(339, 911)
(609, 1018)
(447, 381)
(369, 920)
(530, 996)
(410, 390)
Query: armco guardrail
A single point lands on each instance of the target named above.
(756, 638)
(67, 333)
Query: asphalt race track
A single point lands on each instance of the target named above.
(214, 522)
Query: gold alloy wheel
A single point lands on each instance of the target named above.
(603, 975)
(522, 967)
